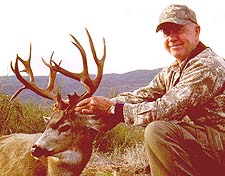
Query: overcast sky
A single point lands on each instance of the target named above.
(127, 25)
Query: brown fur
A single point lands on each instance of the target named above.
(15, 156)
(71, 149)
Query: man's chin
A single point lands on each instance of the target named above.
(176, 54)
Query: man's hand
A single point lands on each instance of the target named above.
(97, 105)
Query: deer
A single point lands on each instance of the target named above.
(65, 146)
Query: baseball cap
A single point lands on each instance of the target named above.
(178, 14)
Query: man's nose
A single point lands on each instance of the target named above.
(172, 36)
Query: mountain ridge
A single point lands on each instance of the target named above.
(110, 84)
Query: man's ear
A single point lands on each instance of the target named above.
(197, 30)
(46, 119)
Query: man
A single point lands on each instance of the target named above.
(182, 108)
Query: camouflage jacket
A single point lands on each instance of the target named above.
(191, 90)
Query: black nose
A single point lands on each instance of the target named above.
(37, 151)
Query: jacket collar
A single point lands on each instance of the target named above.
(200, 47)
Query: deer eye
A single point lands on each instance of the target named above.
(64, 128)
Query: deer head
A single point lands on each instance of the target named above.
(68, 135)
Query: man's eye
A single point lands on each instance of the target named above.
(173, 30)
(179, 30)
(166, 33)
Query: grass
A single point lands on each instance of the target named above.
(117, 163)
(16, 117)
(118, 152)
(119, 138)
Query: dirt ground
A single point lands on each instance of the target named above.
(133, 162)
(111, 170)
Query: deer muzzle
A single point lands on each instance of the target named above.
(38, 152)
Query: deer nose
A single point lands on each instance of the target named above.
(37, 151)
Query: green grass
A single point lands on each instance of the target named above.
(26, 117)
(117, 152)
(17, 117)
(119, 137)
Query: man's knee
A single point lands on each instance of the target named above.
(153, 130)
(159, 132)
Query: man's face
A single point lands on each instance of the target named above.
(180, 40)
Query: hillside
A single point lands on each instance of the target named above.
(111, 83)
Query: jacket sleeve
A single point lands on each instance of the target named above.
(200, 81)
(154, 90)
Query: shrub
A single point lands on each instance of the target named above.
(119, 138)
(16, 117)
(26, 117)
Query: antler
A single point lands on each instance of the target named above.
(83, 77)
(47, 93)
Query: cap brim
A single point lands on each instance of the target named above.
(177, 21)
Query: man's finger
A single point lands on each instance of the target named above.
(83, 102)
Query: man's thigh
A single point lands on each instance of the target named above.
(207, 150)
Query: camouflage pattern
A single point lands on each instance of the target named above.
(196, 97)
(179, 14)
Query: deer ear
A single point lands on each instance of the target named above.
(46, 119)
(95, 124)
(101, 123)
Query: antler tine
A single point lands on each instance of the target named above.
(16, 93)
(83, 77)
(20, 78)
(27, 67)
(89, 84)
(46, 93)
(84, 73)
(52, 74)
(56, 67)
(99, 62)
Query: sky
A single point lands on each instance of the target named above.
(128, 27)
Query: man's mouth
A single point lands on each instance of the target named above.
(174, 46)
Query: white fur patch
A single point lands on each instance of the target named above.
(70, 157)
